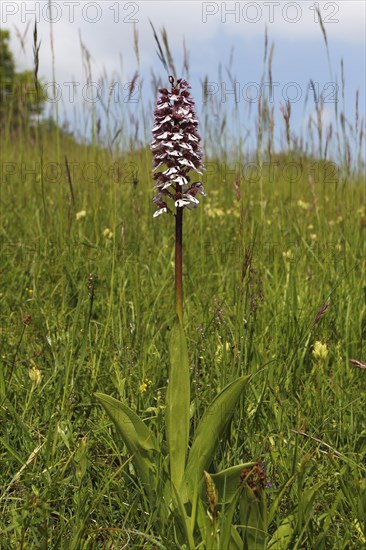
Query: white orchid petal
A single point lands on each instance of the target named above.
(181, 202)
(170, 171)
(181, 180)
(160, 211)
(168, 118)
(164, 135)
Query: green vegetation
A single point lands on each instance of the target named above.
(272, 265)
(21, 95)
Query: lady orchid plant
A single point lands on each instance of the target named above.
(173, 475)
(176, 145)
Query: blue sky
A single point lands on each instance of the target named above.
(211, 30)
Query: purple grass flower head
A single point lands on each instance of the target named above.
(176, 149)
(255, 477)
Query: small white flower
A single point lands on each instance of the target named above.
(192, 199)
(183, 111)
(168, 118)
(182, 202)
(170, 171)
(181, 180)
(186, 162)
(186, 200)
(186, 146)
(164, 135)
(163, 210)
(191, 118)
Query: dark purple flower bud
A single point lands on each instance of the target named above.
(255, 477)
(176, 145)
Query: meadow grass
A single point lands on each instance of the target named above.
(100, 307)
(88, 301)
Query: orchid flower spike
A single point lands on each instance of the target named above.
(176, 146)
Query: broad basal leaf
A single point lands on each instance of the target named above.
(139, 440)
(227, 481)
(253, 520)
(178, 403)
(210, 430)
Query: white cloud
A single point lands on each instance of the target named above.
(111, 37)
(201, 23)
(343, 19)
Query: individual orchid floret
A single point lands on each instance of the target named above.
(162, 209)
(176, 147)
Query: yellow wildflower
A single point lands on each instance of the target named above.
(288, 255)
(302, 204)
(35, 375)
(320, 351)
(215, 212)
(80, 215)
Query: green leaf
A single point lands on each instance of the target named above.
(185, 520)
(229, 536)
(177, 410)
(281, 538)
(2, 383)
(277, 501)
(210, 430)
(139, 440)
(253, 511)
(236, 542)
(227, 481)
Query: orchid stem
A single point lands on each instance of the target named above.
(179, 264)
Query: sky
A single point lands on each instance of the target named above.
(215, 33)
